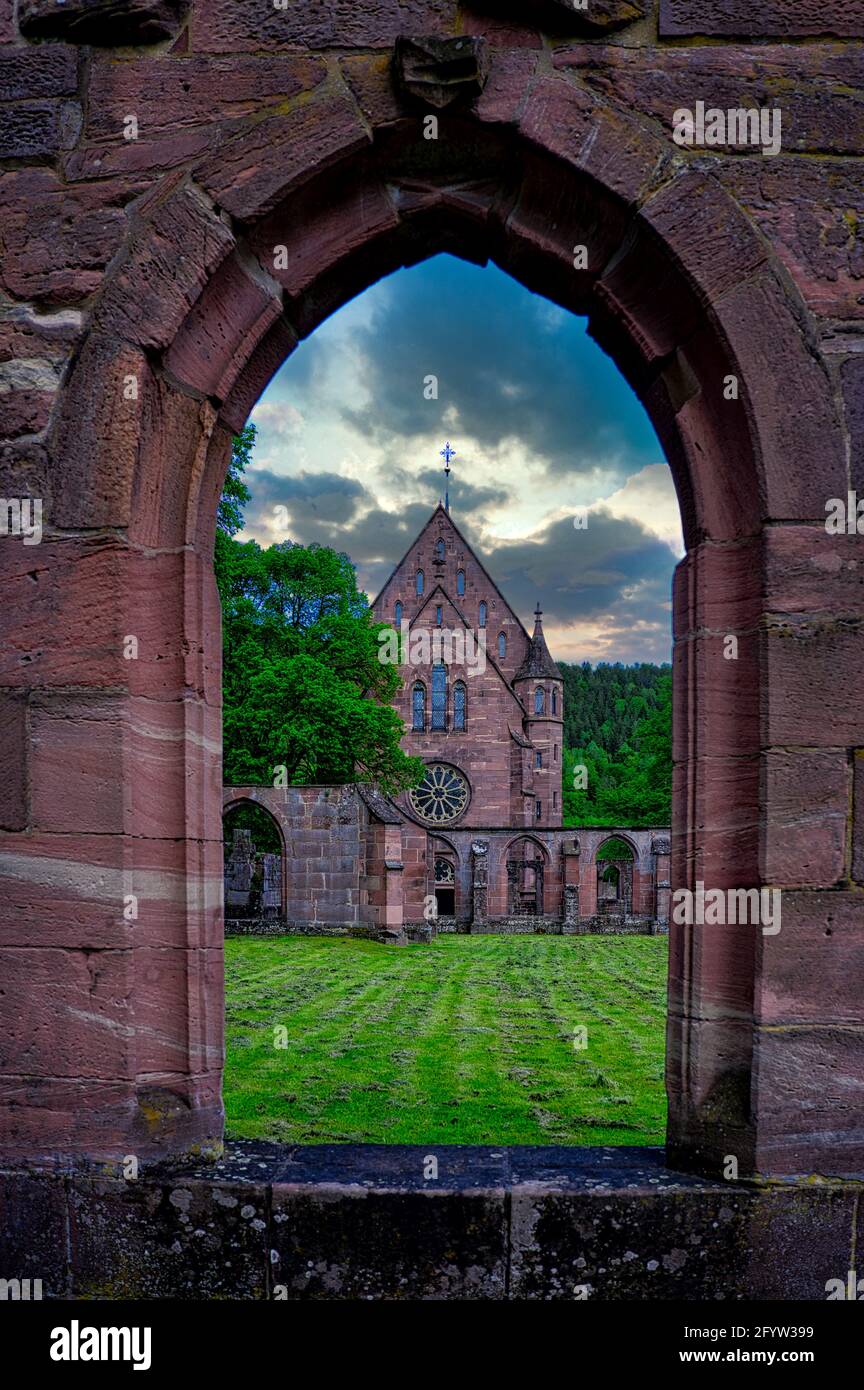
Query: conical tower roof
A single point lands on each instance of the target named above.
(538, 662)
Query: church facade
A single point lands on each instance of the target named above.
(479, 845)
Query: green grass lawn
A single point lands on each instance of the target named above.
(467, 1041)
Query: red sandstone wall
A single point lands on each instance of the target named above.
(150, 260)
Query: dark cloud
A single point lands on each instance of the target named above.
(510, 369)
(328, 498)
(516, 371)
(585, 574)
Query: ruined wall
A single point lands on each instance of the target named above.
(328, 841)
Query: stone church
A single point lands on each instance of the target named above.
(478, 846)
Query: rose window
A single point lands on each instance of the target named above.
(441, 796)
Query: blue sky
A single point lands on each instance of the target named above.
(542, 423)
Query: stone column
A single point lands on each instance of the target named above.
(479, 883)
(661, 849)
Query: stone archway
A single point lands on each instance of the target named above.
(229, 260)
(525, 861)
(614, 871)
(255, 865)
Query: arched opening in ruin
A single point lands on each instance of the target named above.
(682, 294)
(255, 867)
(525, 868)
(615, 863)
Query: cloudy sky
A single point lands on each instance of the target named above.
(543, 426)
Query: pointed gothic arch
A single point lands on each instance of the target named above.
(195, 311)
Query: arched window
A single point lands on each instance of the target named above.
(539, 701)
(439, 614)
(502, 646)
(459, 706)
(483, 615)
(398, 614)
(418, 708)
(460, 583)
(555, 754)
(439, 697)
(554, 701)
(439, 552)
(419, 582)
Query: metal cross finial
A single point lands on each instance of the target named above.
(447, 454)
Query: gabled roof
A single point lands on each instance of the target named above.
(471, 551)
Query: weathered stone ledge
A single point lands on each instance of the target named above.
(370, 1222)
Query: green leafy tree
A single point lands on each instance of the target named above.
(303, 687)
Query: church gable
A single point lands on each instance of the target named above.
(442, 559)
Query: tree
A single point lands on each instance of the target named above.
(629, 775)
(303, 687)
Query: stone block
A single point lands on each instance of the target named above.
(67, 1015)
(790, 408)
(179, 1007)
(810, 1095)
(647, 1234)
(151, 291)
(810, 972)
(74, 887)
(33, 1242)
(852, 378)
(109, 22)
(77, 769)
(814, 667)
(858, 816)
(179, 1239)
(812, 214)
(57, 239)
(691, 216)
(251, 175)
(807, 571)
(61, 586)
(13, 759)
(28, 73)
(806, 816)
(224, 26)
(341, 1241)
(817, 88)
(772, 19)
(38, 129)
(318, 232)
(225, 325)
(169, 97)
(607, 144)
(99, 435)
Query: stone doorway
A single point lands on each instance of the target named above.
(190, 306)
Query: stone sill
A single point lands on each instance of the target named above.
(363, 1222)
